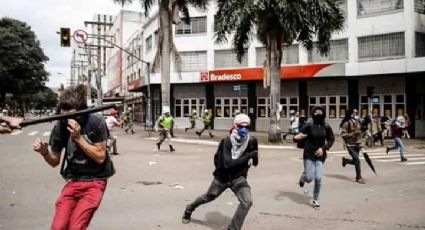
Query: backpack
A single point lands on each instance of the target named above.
(88, 128)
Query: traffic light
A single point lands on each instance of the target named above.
(369, 91)
(65, 37)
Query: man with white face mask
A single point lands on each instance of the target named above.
(233, 158)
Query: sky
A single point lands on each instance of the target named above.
(47, 16)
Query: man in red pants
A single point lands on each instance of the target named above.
(85, 167)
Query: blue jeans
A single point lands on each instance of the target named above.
(314, 170)
(398, 144)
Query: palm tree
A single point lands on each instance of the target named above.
(277, 23)
(169, 13)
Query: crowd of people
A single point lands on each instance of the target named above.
(89, 141)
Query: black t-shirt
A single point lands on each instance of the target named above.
(78, 166)
(318, 136)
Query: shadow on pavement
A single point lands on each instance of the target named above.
(294, 197)
(340, 177)
(214, 220)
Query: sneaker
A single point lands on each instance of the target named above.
(158, 145)
(198, 133)
(344, 162)
(302, 180)
(361, 181)
(132, 132)
(185, 129)
(387, 150)
(211, 136)
(316, 204)
(403, 159)
(186, 216)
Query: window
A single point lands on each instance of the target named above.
(288, 104)
(184, 106)
(389, 105)
(263, 107)
(420, 6)
(338, 51)
(367, 7)
(197, 25)
(420, 44)
(381, 46)
(290, 55)
(227, 59)
(149, 43)
(194, 61)
(226, 107)
(335, 106)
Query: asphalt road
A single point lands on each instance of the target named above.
(395, 199)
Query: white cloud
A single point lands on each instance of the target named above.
(46, 17)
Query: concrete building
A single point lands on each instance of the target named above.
(126, 23)
(382, 46)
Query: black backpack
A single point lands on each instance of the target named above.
(88, 128)
(301, 144)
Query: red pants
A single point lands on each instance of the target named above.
(77, 203)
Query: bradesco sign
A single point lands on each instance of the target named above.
(255, 74)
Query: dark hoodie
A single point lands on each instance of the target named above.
(319, 135)
(228, 169)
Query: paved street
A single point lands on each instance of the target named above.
(151, 188)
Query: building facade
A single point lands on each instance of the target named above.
(382, 46)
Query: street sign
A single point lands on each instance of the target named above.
(80, 36)
(240, 87)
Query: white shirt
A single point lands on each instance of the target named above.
(294, 122)
(111, 121)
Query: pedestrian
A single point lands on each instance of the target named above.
(7, 123)
(164, 124)
(294, 124)
(233, 158)
(207, 119)
(192, 120)
(318, 138)
(407, 124)
(397, 130)
(352, 136)
(128, 122)
(86, 166)
(111, 122)
(375, 129)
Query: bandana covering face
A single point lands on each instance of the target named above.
(240, 135)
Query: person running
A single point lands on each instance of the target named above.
(128, 120)
(85, 166)
(352, 136)
(397, 130)
(111, 122)
(294, 124)
(164, 124)
(234, 156)
(207, 119)
(7, 123)
(318, 137)
(192, 120)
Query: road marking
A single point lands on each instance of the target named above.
(413, 163)
(368, 151)
(16, 132)
(410, 159)
(45, 134)
(396, 156)
(32, 133)
(215, 143)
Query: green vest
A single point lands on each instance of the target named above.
(193, 118)
(207, 118)
(167, 122)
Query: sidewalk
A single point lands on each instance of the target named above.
(262, 137)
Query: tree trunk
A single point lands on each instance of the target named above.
(165, 27)
(275, 46)
(2, 97)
